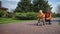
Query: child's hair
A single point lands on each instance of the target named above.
(40, 11)
(48, 13)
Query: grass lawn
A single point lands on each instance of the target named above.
(59, 22)
(10, 20)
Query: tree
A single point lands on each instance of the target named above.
(58, 9)
(41, 4)
(23, 6)
(36, 5)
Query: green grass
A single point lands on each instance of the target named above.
(10, 20)
(59, 22)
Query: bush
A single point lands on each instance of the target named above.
(59, 22)
(10, 15)
(55, 15)
(31, 16)
(1, 13)
(26, 16)
(58, 15)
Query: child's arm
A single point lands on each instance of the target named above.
(37, 15)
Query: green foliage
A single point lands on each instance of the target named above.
(26, 16)
(59, 22)
(55, 15)
(36, 5)
(58, 15)
(26, 6)
(10, 15)
(1, 13)
(23, 6)
(41, 4)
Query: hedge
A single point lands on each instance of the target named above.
(26, 16)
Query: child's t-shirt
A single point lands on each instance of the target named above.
(41, 15)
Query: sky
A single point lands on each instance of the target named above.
(11, 4)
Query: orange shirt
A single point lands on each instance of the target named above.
(41, 15)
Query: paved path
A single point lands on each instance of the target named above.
(29, 28)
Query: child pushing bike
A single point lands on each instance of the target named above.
(41, 18)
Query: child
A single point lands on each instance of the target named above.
(48, 17)
(41, 17)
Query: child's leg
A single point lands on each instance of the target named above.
(49, 21)
(43, 21)
(38, 20)
(46, 21)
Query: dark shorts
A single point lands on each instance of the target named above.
(49, 21)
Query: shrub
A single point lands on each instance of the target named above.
(10, 15)
(55, 15)
(58, 15)
(1, 13)
(26, 16)
(31, 16)
(59, 22)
